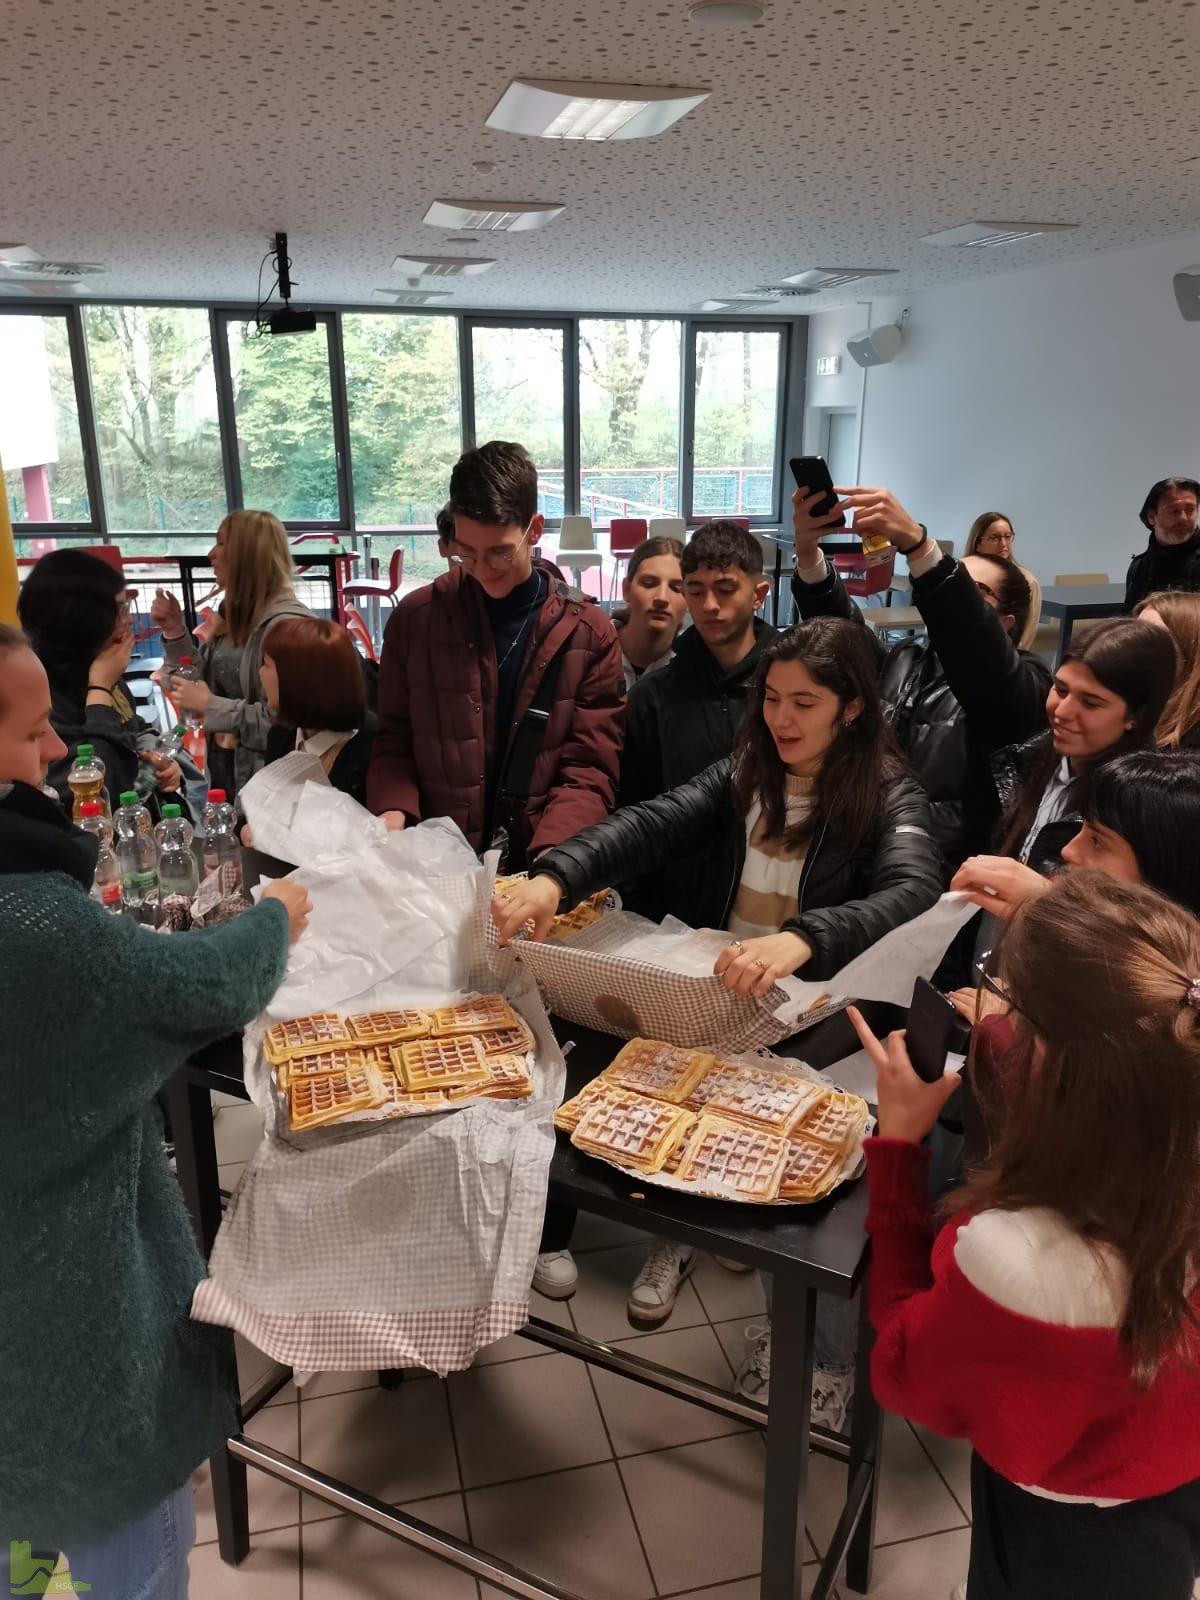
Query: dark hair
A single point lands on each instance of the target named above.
(320, 676)
(1151, 799)
(722, 544)
(649, 549)
(980, 526)
(1162, 487)
(495, 484)
(1133, 660)
(837, 654)
(1101, 1115)
(69, 606)
(445, 523)
(1014, 596)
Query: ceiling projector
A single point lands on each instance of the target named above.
(1187, 293)
(874, 347)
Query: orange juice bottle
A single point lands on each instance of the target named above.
(86, 781)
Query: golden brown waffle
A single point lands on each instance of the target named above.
(730, 1159)
(662, 1071)
(452, 1063)
(569, 1113)
(511, 1040)
(632, 1131)
(389, 1027)
(340, 1058)
(769, 1100)
(834, 1119)
(402, 1104)
(316, 1101)
(508, 1079)
(574, 921)
(300, 1036)
(717, 1076)
(473, 1016)
(811, 1170)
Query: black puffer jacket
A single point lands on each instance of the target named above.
(1163, 566)
(952, 699)
(849, 897)
(1013, 767)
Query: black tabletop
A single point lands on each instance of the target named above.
(1057, 597)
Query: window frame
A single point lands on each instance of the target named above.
(696, 326)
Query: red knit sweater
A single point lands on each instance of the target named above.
(1047, 1406)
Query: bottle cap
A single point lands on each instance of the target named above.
(90, 808)
(216, 797)
(171, 811)
(180, 727)
(83, 752)
(185, 661)
(129, 797)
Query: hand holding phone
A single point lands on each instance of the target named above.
(812, 475)
(934, 1030)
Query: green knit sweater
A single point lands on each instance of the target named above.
(110, 1395)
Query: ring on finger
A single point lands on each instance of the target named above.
(739, 947)
(761, 963)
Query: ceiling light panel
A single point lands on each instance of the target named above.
(413, 297)
(990, 235)
(818, 278)
(492, 216)
(545, 108)
(442, 266)
(68, 270)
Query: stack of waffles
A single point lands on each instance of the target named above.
(570, 922)
(399, 1063)
(736, 1132)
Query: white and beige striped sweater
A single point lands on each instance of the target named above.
(770, 883)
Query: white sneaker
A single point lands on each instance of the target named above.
(832, 1399)
(556, 1274)
(733, 1266)
(753, 1381)
(652, 1298)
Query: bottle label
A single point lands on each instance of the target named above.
(142, 883)
(110, 894)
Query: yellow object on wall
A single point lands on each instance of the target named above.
(8, 560)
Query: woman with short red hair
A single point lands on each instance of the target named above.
(313, 681)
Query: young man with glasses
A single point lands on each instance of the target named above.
(467, 663)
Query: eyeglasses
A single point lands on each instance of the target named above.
(497, 559)
(994, 986)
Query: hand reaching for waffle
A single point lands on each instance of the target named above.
(526, 904)
(751, 966)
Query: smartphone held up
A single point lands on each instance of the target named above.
(812, 475)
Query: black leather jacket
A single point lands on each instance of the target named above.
(952, 699)
(1163, 566)
(849, 896)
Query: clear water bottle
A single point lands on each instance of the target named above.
(171, 743)
(188, 669)
(221, 848)
(137, 853)
(86, 781)
(106, 884)
(178, 878)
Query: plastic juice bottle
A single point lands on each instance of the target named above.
(86, 781)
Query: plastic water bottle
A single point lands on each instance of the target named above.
(137, 853)
(86, 781)
(106, 885)
(171, 743)
(187, 668)
(178, 878)
(222, 853)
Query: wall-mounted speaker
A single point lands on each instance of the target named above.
(874, 347)
(1187, 293)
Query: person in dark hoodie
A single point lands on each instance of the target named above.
(1171, 559)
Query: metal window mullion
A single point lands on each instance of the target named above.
(572, 443)
(88, 440)
(687, 420)
(218, 322)
(793, 354)
(341, 422)
(466, 381)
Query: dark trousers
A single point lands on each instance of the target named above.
(1024, 1547)
(557, 1228)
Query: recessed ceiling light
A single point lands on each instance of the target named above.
(741, 302)
(725, 13)
(493, 216)
(67, 270)
(17, 252)
(547, 109)
(989, 235)
(818, 278)
(441, 266)
(412, 297)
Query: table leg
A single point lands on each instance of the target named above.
(784, 1542)
(1064, 638)
(866, 1446)
(776, 576)
(188, 585)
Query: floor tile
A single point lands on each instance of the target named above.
(605, 1279)
(345, 1559)
(513, 1347)
(253, 1366)
(572, 1527)
(601, 1233)
(913, 1500)
(725, 1294)
(270, 1572)
(272, 1504)
(733, 1339)
(920, 1569)
(743, 1589)
(238, 1131)
(518, 1418)
(699, 1510)
(322, 1384)
(643, 1419)
(952, 1458)
(396, 1444)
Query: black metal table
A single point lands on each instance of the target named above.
(820, 1248)
(327, 566)
(1080, 602)
(784, 542)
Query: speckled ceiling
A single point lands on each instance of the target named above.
(167, 138)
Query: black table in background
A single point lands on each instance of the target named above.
(1083, 602)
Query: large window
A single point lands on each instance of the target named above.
(155, 398)
(738, 390)
(283, 413)
(41, 448)
(519, 396)
(628, 418)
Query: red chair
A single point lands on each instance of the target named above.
(360, 633)
(860, 578)
(376, 589)
(624, 536)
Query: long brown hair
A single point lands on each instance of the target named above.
(1181, 613)
(980, 526)
(1101, 1121)
(258, 570)
(837, 655)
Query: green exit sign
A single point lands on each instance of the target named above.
(828, 366)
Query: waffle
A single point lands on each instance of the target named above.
(662, 1071)
(717, 1076)
(773, 1101)
(402, 1104)
(508, 1079)
(473, 1016)
(513, 1039)
(316, 1101)
(733, 1160)
(583, 915)
(389, 1027)
(453, 1063)
(834, 1120)
(811, 1170)
(569, 1113)
(632, 1131)
(338, 1058)
(300, 1036)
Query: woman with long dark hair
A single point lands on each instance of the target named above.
(1178, 613)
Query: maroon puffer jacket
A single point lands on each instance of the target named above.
(437, 699)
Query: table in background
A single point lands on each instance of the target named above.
(1078, 603)
(817, 1248)
(328, 566)
(785, 543)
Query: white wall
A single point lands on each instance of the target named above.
(1055, 394)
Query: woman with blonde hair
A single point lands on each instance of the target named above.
(992, 534)
(1178, 613)
(253, 565)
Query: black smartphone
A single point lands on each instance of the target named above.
(934, 1031)
(811, 474)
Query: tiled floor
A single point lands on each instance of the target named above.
(611, 1490)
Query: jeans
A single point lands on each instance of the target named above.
(148, 1560)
